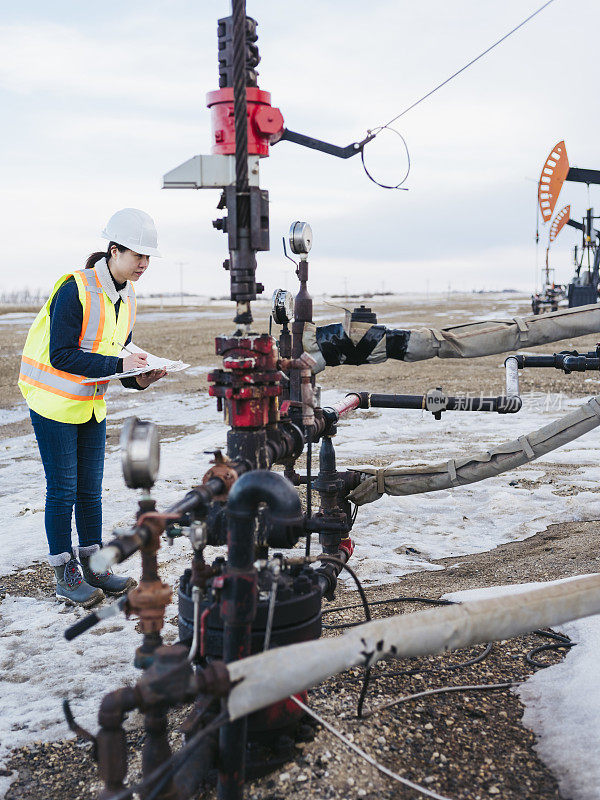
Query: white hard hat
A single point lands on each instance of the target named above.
(133, 229)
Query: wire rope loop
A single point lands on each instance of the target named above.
(398, 185)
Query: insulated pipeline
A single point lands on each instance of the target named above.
(297, 667)
(480, 465)
(361, 343)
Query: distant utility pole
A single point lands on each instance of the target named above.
(181, 265)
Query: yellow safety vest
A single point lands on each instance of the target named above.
(62, 396)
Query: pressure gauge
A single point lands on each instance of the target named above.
(140, 453)
(301, 238)
(282, 306)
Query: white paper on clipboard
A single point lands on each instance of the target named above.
(153, 362)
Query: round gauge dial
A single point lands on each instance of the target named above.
(282, 306)
(140, 453)
(301, 238)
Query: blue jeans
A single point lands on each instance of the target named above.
(73, 459)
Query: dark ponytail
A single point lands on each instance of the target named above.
(95, 257)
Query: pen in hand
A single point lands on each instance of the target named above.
(133, 361)
(124, 347)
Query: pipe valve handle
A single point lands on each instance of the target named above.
(81, 626)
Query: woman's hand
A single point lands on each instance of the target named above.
(135, 361)
(147, 378)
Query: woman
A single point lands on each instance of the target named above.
(78, 334)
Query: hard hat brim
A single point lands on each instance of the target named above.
(135, 247)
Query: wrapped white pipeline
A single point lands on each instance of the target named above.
(363, 343)
(501, 336)
(477, 466)
(297, 667)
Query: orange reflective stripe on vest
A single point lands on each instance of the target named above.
(94, 312)
(63, 383)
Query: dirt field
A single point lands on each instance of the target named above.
(193, 341)
(463, 745)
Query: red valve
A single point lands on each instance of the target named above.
(265, 123)
(348, 546)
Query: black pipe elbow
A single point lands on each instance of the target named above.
(263, 486)
(284, 510)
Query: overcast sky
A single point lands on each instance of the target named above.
(100, 100)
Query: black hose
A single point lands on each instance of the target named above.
(562, 642)
(401, 599)
(361, 591)
(365, 603)
(475, 660)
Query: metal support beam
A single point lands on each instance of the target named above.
(583, 175)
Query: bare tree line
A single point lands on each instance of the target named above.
(23, 297)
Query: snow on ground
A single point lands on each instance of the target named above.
(562, 707)
(562, 703)
(17, 319)
(38, 667)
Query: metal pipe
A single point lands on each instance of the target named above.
(580, 363)
(501, 404)
(122, 547)
(239, 598)
(196, 635)
(262, 486)
(512, 376)
(111, 742)
(349, 403)
(416, 401)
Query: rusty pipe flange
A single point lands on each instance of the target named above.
(148, 600)
(225, 473)
(155, 523)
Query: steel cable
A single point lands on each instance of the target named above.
(415, 786)
(240, 110)
(441, 690)
(466, 66)
(387, 125)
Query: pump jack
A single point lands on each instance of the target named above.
(583, 288)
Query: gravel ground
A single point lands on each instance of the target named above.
(463, 745)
